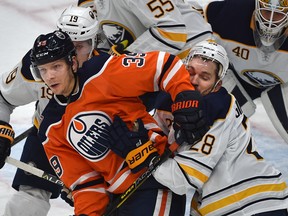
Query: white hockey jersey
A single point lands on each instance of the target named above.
(224, 167)
(171, 26)
(18, 87)
(257, 74)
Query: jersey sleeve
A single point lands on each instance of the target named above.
(149, 72)
(166, 29)
(17, 88)
(193, 165)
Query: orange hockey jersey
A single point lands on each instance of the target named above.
(108, 86)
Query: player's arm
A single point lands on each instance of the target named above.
(166, 29)
(17, 87)
(193, 164)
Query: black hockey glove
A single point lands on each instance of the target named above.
(190, 123)
(134, 146)
(118, 49)
(6, 139)
(66, 195)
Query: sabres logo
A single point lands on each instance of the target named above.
(116, 33)
(262, 79)
(87, 132)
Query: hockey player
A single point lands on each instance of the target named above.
(254, 33)
(224, 168)
(171, 26)
(104, 87)
(146, 25)
(18, 87)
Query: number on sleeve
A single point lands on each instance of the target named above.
(160, 7)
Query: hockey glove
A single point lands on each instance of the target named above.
(6, 139)
(134, 146)
(66, 195)
(118, 49)
(190, 123)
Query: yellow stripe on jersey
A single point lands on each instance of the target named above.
(240, 196)
(173, 36)
(184, 54)
(195, 173)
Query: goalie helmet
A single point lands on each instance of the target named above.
(212, 51)
(51, 47)
(79, 23)
(271, 22)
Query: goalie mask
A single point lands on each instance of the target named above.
(271, 21)
(212, 51)
(51, 47)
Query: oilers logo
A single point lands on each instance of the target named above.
(87, 132)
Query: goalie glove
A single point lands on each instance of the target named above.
(190, 123)
(134, 146)
(118, 49)
(6, 139)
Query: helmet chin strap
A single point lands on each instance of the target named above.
(74, 86)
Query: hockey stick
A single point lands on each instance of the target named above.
(33, 170)
(22, 136)
(140, 180)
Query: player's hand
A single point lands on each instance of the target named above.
(134, 146)
(190, 123)
(118, 49)
(66, 195)
(6, 139)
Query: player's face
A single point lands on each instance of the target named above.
(83, 49)
(203, 74)
(58, 76)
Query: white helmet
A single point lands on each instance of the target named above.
(271, 21)
(79, 23)
(209, 49)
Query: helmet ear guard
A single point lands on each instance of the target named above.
(212, 51)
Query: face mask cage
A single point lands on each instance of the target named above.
(271, 20)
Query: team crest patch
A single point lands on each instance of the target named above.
(116, 33)
(262, 79)
(87, 132)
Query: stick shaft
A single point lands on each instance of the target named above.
(141, 179)
(22, 136)
(33, 170)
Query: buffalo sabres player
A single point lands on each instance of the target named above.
(142, 26)
(18, 87)
(224, 167)
(254, 33)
